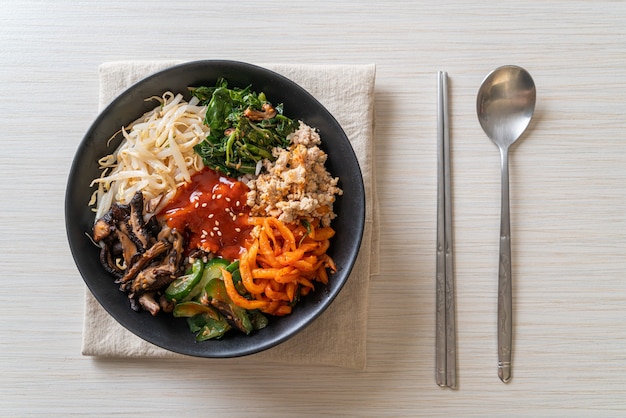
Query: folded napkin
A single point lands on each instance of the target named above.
(338, 336)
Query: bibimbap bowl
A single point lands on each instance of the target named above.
(164, 330)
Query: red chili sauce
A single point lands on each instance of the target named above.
(212, 212)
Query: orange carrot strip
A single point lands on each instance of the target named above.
(322, 248)
(324, 233)
(284, 260)
(265, 273)
(279, 275)
(309, 246)
(330, 263)
(322, 276)
(284, 232)
(275, 294)
(283, 310)
(289, 256)
(246, 270)
(269, 232)
(287, 277)
(303, 266)
(306, 282)
(290, 289)
(266, 249)
(236, 297)
(272, 307)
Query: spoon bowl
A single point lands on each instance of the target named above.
(506, 103)
(505, 106)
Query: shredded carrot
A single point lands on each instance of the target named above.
(245, 268)
(324, 233)
(281, 262)
(236, 297)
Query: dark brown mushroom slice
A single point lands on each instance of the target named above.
(158, 276)
(148, 303)
(166, 305)
(177, 241)
(103, 228)
(140, 232)
(153, 227)
(145, 259)
(111, 231)
(107, 259)
(130, 251)
(152, 279)
(106, 225)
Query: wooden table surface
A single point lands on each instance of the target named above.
(568, 179)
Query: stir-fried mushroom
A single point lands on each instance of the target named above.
(162, 274)
(141, 234)
(148, 303)
(146, 258)
(143, 257)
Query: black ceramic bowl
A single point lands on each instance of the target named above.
(173, 333)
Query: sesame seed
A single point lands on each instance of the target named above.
(204, 205)
(219, 196)
(237, 229)
(211, 215)
(237, 203)
(212, 234)
(217, 222)
(216, 228)
(196, 205)
(219, 233)
(227, 199)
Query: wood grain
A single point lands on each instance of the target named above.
(568, 199)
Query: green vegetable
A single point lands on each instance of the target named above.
(201, 297)
(307, 225)
(236, 276)
(207, 327)
(211, 271)
(216, 289)
(189, 309)
(232, 267)
(203, 320)
(236, 316)
(182, 286)
(212, 329)
(259, 321)
(244, 127)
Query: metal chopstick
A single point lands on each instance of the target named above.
(445, 342)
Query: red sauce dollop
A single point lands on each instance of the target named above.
(212, 212)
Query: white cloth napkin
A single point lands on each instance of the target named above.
(338, 336)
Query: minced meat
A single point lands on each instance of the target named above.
(296, 185)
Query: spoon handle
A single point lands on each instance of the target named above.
(505, 296)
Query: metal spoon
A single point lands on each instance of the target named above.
(505, 105)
